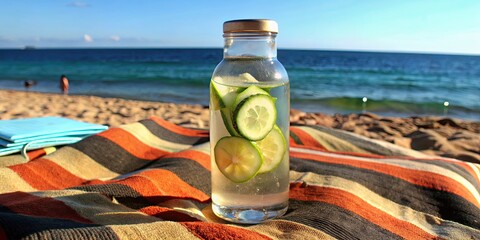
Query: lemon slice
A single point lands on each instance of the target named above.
(255, 116)
(238, 159)
(273, 148)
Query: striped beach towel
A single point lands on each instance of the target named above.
(151, 180)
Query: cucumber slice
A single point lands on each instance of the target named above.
(252, 90)
(255, 116)
(222, 96)
(227, 121)
(273, 148)
(215, 99)
(238, 159)
(247, 77)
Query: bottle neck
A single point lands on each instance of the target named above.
(250, 45)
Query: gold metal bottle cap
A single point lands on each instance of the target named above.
(250, 25)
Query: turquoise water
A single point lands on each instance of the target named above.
(396, 84)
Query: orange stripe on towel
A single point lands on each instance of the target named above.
(44, 174)
(36, 154)
(178, 129)
(27, 204)
(357, 205)
(468, 167)
(131, 144)
(306, 139)
(418, 177)
(162, 183)
(221, 231)
(199, 157)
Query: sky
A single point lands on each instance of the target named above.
(432, 26)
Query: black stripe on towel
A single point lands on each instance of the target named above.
(442, 204)
(295, 138)
(20, 226)
(109, 154)
(167, 135)
(188, 170)
(341, 224)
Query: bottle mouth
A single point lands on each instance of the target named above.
(250, 26)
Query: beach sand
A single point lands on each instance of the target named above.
(439, 136)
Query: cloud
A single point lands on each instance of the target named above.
(78, 4)
(115, 38)
(87, 38)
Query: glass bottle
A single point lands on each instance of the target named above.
(249, 125)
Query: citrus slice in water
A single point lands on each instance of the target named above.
(237, 158)
(255, 116)
(273, 148)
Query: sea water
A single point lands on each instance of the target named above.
(395, 84)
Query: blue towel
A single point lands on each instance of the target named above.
(34, 133)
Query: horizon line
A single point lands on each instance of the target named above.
(32, 48)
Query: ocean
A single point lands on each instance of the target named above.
(394, 84)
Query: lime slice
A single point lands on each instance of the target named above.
(255, 116)
(273, 148)
(238, 159)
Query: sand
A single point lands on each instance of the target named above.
(439, 136)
